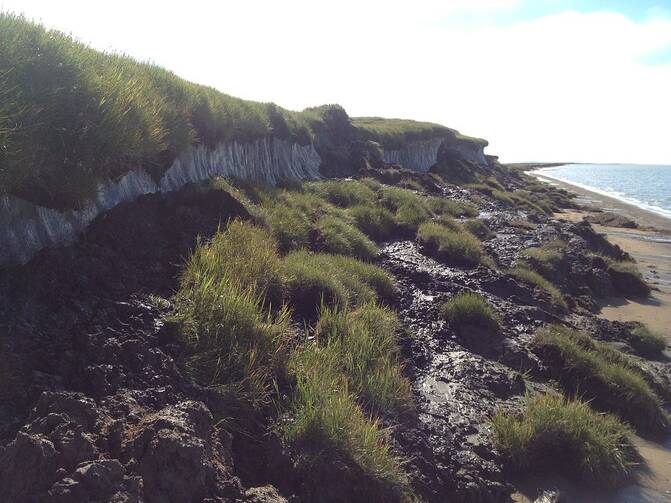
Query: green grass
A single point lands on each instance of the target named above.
(557, 434)
(444, 206)
(626, 278)
(396, 133)
(647, 342)
(72, 115)
(547, 259)
(366, 351)
(330, 429)
(243, 254)
(221, 306)
(523, 273)
(339, 237)
(290, 226)
(503, 196)
(346, 379)
(467, 310)
(454, 247)
(343, 193)
(376, 222)
(334, 280)
(602, 375)
(478, 228)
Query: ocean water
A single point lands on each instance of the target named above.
(645, 186)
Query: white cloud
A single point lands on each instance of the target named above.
(568, 86)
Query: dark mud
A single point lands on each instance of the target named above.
(95, 407)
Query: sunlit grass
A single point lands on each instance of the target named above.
(557, 434)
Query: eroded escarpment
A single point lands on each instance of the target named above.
(26, 228)
(100, 405)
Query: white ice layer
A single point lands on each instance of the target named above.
(26, 228)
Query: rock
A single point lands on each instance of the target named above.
(102, 480)
(28, 466)
(180, 457)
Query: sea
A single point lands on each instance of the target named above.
(644, 185)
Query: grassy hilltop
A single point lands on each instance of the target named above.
(71, 115)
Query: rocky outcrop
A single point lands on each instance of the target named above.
(26, 228)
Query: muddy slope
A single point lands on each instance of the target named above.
(95, 407)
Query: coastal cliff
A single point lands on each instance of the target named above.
(26, 228)
(211, 299)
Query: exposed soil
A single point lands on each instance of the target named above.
(95, 406)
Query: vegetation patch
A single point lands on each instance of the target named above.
(468, 309)
(328, 428)
(478, 228)
(602, 375)
(448, 245)
(553, 432)
(627, 279)
(333, 280)
(73, 116)
(347, 378)
(523, 273)
(445, 206)
(647, 342)
(338, 236)
(343, 193)
(364, 342)
(376, 222)
(233, 338)
(548, 259)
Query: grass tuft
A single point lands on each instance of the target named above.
(646, 342)
(602, 375)
(523, 273)
(468, 309)
(343, 193)
(339, 237)
(233, 338)
(347, 378)
(547, 259)
(626, 278)
(375, 221)
(447, 245)
(334, 280)
(553, 432)
(478, 228)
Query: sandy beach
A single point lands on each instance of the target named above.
(650, 245)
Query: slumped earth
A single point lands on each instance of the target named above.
(101, 402)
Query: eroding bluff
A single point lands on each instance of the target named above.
(26, 228)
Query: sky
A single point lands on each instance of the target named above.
(542, 80)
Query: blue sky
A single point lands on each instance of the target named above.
(541, 80)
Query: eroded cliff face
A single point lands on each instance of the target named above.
(421, 155)
(26, 228)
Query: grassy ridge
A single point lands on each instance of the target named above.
(395, 133)
(71, 116)
(342, 375)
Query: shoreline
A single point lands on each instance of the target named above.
(650, 246)
(648, 220)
